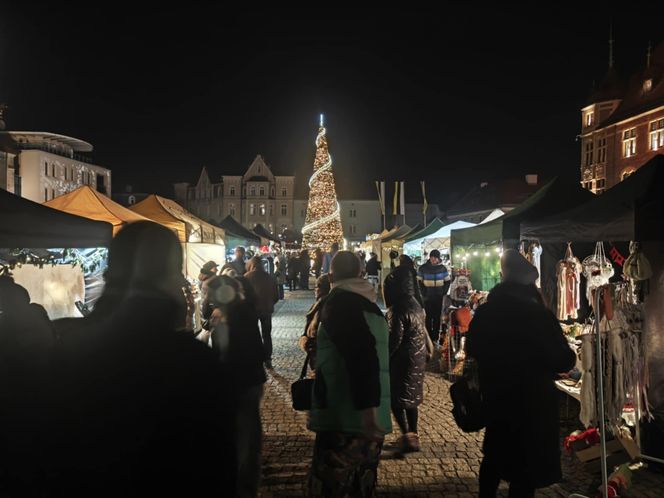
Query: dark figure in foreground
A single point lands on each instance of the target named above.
(523, 450)
(408, 350)
(308, 339)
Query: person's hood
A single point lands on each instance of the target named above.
(358, 286)
(255, 265)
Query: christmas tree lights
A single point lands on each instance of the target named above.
(322, 225)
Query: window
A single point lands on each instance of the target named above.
(271, 210)
(45, 194)
(590, 116)
(52, 169)
(601, 150)
(629, 142)
(647, 85)
(284, 192)
(45, 169)
(656, 134)
(284, 210)
(252, 209)
(252, 191)
(270, 227)
(353, 213)
(231, 191)
(353, 230)
(261, 191)
(589, 153)
(272, 192)
(52, 194)
(261, 209)
(600, 185)
(588, 185)
(231, 210)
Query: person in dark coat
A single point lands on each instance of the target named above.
(408, 350)
(266, 295)
(519, 348)
(293, 269)
(236, 340)
(305, 267)
(318, 262)
(308, 338)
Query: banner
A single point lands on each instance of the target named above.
(380, 188)
(403, 199)
(425, 204)
(395, 202)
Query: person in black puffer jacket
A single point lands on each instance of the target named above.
(408, 349)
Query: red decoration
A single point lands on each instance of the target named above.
(617, 258)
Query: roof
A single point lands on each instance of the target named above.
(496, 194)
(75, 143)
(432, 227)
(263, 232)
(396, 233)
(555, 196)
(87, 202)
(234, 227)
(631, 210)
(439, 230)
(27, 224)
(612, 87)
(170, 214)
(635, 100)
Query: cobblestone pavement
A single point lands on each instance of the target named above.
(448, 464)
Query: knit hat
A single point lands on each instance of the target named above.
(435, 254)
(516, 269)
(208, 267)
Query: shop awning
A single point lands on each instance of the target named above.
(88, 203)
(236, 229)
(263, 232)
(27, 224)
(631, 210)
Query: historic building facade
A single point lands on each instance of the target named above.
(257, 197)
(622, 125)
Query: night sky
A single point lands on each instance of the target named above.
(453, 97)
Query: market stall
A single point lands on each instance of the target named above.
(479, 248)
(88, 203)
(392, 242)
(435, 236)
(50, 252)
(238, 235)
(624, 282)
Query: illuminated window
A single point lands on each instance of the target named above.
(284, 210)
(261, 209)
(284, 192)
(252, 209)
(252, 191)
(601, 150)
(629, 142)
(589, 153)
(131, 200)
(590, 116)
(231, 191)
(600, 185)
(261, 191)
(647, 85)
(656, 134)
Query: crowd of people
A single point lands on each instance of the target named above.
(127, 401)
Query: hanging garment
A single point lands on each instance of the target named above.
(535, 259)
(588, 414)
(597, 269)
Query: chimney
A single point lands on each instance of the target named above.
(531, 179)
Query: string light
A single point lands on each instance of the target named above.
(322, 225)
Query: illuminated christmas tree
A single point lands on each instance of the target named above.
(322, 225)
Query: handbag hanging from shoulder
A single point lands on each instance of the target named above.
(302, 389)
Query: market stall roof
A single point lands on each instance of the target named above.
(27, 224)
(560, 193)
(263, 232)
(631, 210)
(398, 233)
(87, 202)
(170, 214)
(232, 226)
(432, 227)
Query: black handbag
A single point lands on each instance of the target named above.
(302, 389)
(467, 409)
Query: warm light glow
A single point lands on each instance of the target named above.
(322, 225)
(475, 253)
(487, 254)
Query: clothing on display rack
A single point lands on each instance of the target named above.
(597, 269)
(534, 256)
(569, 286)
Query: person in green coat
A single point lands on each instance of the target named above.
(351, 401)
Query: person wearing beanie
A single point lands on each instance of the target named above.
(519, 349)
(435, 281)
